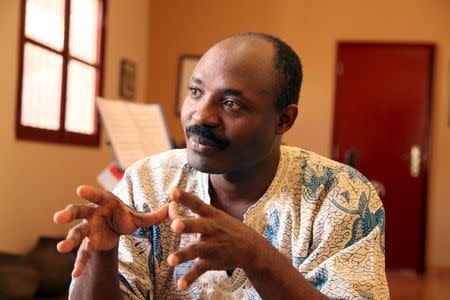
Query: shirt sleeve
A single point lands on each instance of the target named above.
(135, 257)
(346, 254)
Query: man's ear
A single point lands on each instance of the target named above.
(287, 118)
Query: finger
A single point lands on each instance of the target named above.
(197, 269)
(94, 195)
(74, 238)
(192, 225)
(196, 250)
(153, 218)
(72, 212)
(83, 255)
(191, 201)
(173, 210)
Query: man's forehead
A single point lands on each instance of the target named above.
(242, 48)
(239, 58)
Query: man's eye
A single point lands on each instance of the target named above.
(232, 105)
(194, 92)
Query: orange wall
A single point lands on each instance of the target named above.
(312, 28)
(36, 179)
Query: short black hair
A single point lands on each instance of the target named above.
(289, 67)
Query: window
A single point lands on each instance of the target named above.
(60, 71)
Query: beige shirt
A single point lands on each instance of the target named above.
(323, 216)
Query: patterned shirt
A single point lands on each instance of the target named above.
(323, 216)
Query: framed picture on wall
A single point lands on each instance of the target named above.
(186, 65)
(127, 85)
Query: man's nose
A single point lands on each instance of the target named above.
(206, 113)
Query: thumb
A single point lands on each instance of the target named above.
(151, 218)
(173, 211)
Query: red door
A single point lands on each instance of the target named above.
(381, 124)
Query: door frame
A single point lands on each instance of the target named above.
(425, 157)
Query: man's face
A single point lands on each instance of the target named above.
(229, 116)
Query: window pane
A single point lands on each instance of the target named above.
(41, 90)
(45, 22)
(84, 29)
(80, 107)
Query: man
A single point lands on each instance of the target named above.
(235, 215)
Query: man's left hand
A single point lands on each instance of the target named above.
(225, 243)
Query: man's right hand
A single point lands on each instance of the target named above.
(105, 219)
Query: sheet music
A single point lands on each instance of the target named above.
(136, 130)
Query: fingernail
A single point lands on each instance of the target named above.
(58, 247)
(177, 226)
(55, 217)
(172, 260)
(173, 205)
(175, 194)
(75, 273)
(80, 189)
(182, 284)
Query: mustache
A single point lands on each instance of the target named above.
(205, 132)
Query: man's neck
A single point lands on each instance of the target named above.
(235, 192)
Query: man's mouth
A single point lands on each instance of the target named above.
(201, 144)
(202, 138)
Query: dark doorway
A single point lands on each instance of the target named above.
(381, 121)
